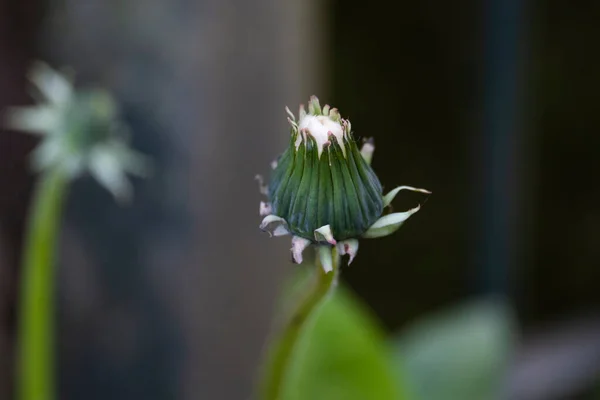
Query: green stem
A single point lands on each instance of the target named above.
(282, 350)
(35, 363)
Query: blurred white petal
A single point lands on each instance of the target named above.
(55, 87)
(48, 153)
(74, 164)
(130, 161)
(105, 167)
(38, 119)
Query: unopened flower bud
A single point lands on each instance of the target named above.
(323, 190)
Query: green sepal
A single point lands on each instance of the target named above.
(312, 205)
(341, 225)
(324, 214)
(355, 214)
(338, 189)
(367, 185)
(298, 217)
(289, 196)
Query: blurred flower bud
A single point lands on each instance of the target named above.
(80, 130)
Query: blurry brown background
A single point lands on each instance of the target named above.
(173, 297)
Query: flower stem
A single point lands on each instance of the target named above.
(283, 347)
(35, 363)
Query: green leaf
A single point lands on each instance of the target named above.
(342, 356)
(458, 354)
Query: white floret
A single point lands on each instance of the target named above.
(319, 127)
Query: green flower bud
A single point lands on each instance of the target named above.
(323, 190)
(322, 179)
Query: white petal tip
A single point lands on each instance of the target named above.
(264, 209)
(298, 246)
(326, 258)
(278, 224)
(348, 247)
(420, 190)
(324, 233)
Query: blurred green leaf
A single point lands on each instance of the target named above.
(342, 356)
(458, 354)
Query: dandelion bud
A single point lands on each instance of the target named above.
(323, 190)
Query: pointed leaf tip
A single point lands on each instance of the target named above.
(290, 113)
(324, 233)
(388, 198)
(388, 224)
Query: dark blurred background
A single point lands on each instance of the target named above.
(490, 104)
